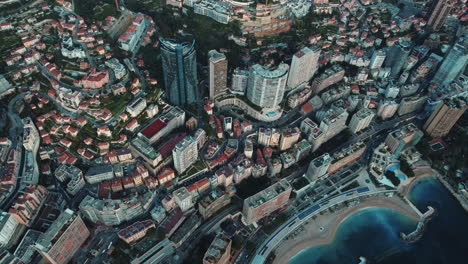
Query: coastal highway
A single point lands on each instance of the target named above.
(284, 230)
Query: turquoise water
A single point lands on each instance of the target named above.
(396, 169)
(373, 233)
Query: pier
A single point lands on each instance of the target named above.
(418, 232)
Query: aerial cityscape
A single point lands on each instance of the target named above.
(233, 131)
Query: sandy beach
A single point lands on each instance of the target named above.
(419, 173)
(322, 230)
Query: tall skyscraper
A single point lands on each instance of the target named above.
(445, 116)
(266, 86)
(303, 66)
(378, 58)
(440, 10)
(185, 154)
(453, 64)
(396, 57)
(63, 238)
(218, 73)
(179, 62)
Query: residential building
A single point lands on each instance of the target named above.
(424, 69)
(183, 198)
(387, 109)
(318, 167)
(377, 60)
(266, 201)
(301, 149)
(219, 251)
(346, 156)
(299, 96)
(402, 138)
(27, 205)
(63, 238)
(95, 79)
(303, 66)
(114, 212)
(8, 227)
(213, 202)
(135, 231)
(335, 93)
(180, 71)
(213, 9)
(314, 134)
(411, 104)
(266, 86)
(268, 137)
(117, 67)
(218, 73)
(333, 123)
(392, 90)
(71, 176)
(440, 11)
(444, 117)
(201, 137)
(289, 137)
(140, 148)
(361, 120)
(239, 81)
(100, 173)
(31, 137)
(136, 107)
(185, 154)
(331, 76)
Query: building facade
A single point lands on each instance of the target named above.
(265, 86)
(185, 154)
(266, 202)
(303, 66)
(318, 167)
(218, 73)
(402, 138)
(444, 117)
(361, 120)
(8, 226)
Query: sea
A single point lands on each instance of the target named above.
(373, 234)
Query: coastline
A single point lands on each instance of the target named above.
(427, 172)
(421, 173)
(311, 235)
